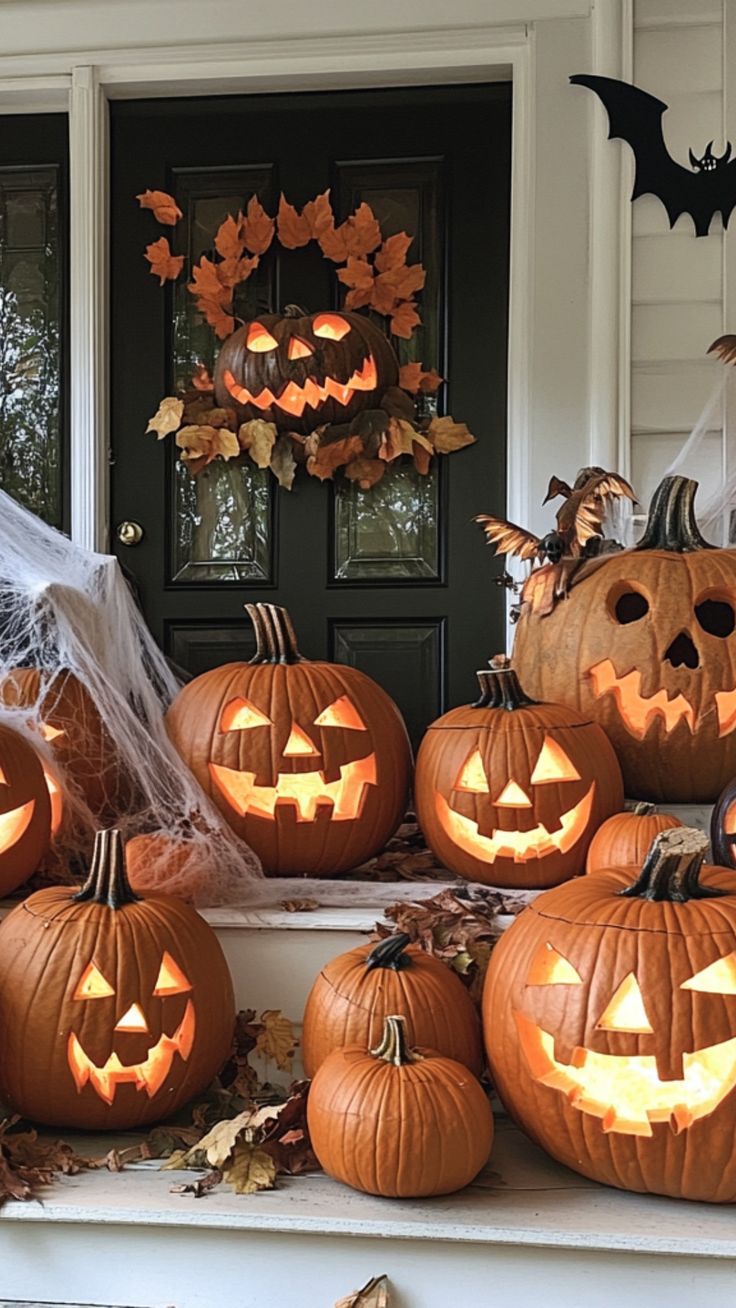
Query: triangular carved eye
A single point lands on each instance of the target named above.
(299, 349)
(473, 777)
(549, 968)
(92, 984)
(260, 339)
(171, 980)
(626, 1011)
(553, 764)
(241, 715)
(3, 779)
(717, 979)
(341, 713)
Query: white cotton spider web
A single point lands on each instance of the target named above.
(64, 609)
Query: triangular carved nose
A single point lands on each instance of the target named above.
(298, 743)
(682, 652)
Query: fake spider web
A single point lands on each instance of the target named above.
(66, 610)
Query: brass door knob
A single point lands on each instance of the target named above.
(130, 533)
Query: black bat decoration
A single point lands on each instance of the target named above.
(636, 117)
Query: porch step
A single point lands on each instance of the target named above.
(527, 1228)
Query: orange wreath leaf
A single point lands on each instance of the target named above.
(258, 227)
(362, 231)
(332, 243)
(319, 215)
(164, 206)
(404, 320)
(164, 265)
(229, 241)
(294, 229)
(392, 254)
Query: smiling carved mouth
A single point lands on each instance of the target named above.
(294, 399)
(640, 711)
(519, 845)
(627, 1092)
(13, 825)
(149, 1075)
(304, 791)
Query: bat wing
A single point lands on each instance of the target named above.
(506, 538)
(725, 348)
(592, 504)
(557, 487)
(635, 116)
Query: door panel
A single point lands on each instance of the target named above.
(381, 578)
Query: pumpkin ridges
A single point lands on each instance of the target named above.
(24, 783)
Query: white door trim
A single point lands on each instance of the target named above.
(384, 59)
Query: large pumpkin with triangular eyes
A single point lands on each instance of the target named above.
(609, 1014)
(309, 762)
(25, 810)
(300, 370)
(114, 1010)
(510, 792)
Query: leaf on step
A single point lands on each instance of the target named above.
(299, 905)
(276, 1041)
(201, 1186)
(164, 1141)
(374, 1294)
(250, 1169)
(167, 417)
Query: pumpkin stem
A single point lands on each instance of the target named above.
(393, 1047)
(390, 953)
(294, 311)
(500, 687)
(671, 869)
(275, 635)
(642, 808)
(107, 882)
(671, 522)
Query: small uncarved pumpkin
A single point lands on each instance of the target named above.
(398, 1122)
(309, 762)
(355, 992)
(610, 1022)
(300, 370)
(510, 792)
(624, 839)
(25, 810)
(114, 1010)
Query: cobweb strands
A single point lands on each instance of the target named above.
(69, 614)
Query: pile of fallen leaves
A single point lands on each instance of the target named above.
(460, 927)
(406, 857)
(374, 1294)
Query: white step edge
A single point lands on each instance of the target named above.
(524, 1199)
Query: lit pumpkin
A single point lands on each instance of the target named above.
(309, 762)
(356, 991)
(645, 644)
(510, 792)
(25, 810)
(299, 370)
(624, 839)
(398, 1122)
(610, 1023)
(114, 1010)
(83, 749)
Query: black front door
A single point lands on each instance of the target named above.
(389, 579)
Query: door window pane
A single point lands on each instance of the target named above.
(389, 533)
(30, 349)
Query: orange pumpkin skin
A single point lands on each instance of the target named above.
(723, 826)
(400, 1129)
(25, 810)
(85, 1040)
(355, 992)
(642, 645)
(314, 387)
(469, 758)
(570, 1089)
(309, 797)
(624, 839)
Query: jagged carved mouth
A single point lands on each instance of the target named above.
(306, 792)
(626, 1093)
(638, 712)
(13, 825)
(294, 398)
(519, 845)
(149, 1075)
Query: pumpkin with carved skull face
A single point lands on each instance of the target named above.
(645, 644)
(510, 792)
(610, 1022)
(25, 810)
(309, 762)
(114, 1010)
(300, 370)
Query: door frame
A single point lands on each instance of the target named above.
(295, 63)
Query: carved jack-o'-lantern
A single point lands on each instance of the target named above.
(25, 810)
(510, 792)
(300, 370)
(610, 1022)
(308, 762)
(645, 644)
(114, 1010)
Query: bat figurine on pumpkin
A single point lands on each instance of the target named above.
(579, 530)
(635, 116)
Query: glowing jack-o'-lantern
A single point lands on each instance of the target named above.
(114, 1010)
(309, 762)
(300, 370)
(510, 792)
(610, 1022)
(25, 810)
(645, 644)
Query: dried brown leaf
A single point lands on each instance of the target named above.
(374, 1294)
(276, 1041)
(299, 905)
(164, 206)
(258, 437)
(413, 378)
(333, 455)
(447, 435)
(201, 381)
(365, 471)
(167, 417)
(202, 1186)
(199, 445)
(250, 1169)
(283, 463)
